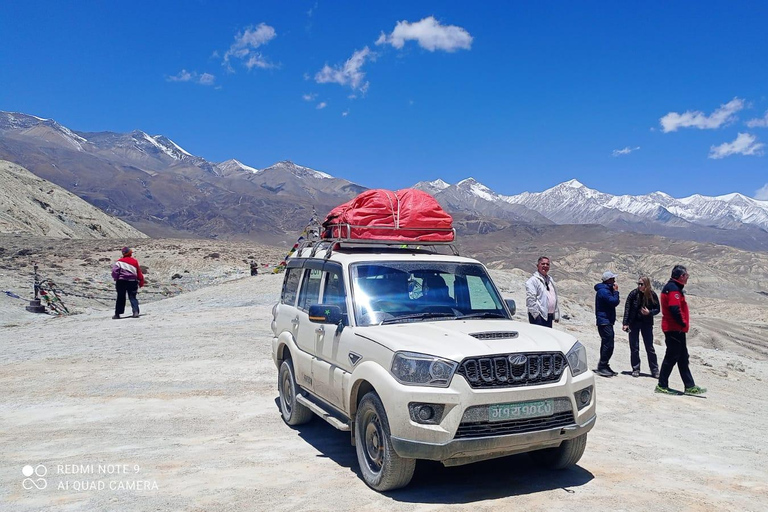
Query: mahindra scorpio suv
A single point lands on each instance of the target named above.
(416, 354)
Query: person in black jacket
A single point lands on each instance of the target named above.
(641, 306)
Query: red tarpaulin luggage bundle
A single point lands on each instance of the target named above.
(408, 215)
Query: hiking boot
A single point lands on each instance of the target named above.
(655, 374)
(665, 391)
(115, 317)
(604, 372)
(695, 390)
(635, 373)
(611, 370)
(135, 315)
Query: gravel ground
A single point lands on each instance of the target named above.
(177, 411)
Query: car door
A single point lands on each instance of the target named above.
(332, 344)
(309, 294)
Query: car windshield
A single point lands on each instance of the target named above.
(399, 291)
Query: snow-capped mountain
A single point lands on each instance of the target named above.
(432, 187)
(298, 171)
(165, 190)
(234, 167)
(574, 203)
(472, 197)
(731, 219)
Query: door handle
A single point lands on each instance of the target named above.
(320, 331)
(295, 321)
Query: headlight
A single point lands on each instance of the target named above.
(577, 359)
(422, 369)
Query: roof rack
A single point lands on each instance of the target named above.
(330, 244)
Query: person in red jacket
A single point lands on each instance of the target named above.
(675, 322)
(128, 279)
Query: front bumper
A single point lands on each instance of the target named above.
(464, 451)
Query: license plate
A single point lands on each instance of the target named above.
(521, 410)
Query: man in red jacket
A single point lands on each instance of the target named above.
(128, 279)
(675, 322)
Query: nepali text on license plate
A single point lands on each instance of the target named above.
(521, 410)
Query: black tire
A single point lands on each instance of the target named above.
(293, 412)
(566, 455)
(381, 467)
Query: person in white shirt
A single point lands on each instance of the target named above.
(541, 295)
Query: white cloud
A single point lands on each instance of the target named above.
(321, 105)
(258, 61)
(430, 35)
(627, 150)
(345, 113)
(182, 76)
(309, 97)
(350, 73)
(745, 144)
(245, 45)
(194, 77)
(762, 193)
(206, 79)
(759, 122)
(696, 119)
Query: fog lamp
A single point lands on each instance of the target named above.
(583, 397)
(428, 414)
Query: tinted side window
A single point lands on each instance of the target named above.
(334, 292)
(290, 286)
(310, 288)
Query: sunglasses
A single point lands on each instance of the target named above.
(640, 284)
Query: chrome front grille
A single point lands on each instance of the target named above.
(509, 370)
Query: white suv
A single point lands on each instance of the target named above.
(416, 354)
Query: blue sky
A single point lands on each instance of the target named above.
(627, 97)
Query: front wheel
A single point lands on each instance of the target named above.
(293, 412)
(382, 468)
(567, 454)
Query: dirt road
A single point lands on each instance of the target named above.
(177, 411)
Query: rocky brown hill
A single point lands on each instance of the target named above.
(33, 206)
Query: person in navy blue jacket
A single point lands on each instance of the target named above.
(606, 300)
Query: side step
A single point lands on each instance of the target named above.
(333, 420)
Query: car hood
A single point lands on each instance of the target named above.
(452, 339)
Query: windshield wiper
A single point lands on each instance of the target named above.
(484, 314)
(418, 316)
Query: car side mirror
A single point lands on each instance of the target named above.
(325, 314)
(511, 305)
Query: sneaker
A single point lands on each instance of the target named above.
(135, 315)
(665, 391)
(655, 374)
(635, 373)
(604, 372)
(695, 390)
(613, 372)
(115, 317)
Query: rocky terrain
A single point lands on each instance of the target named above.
(33, 206)
(80, 269)
(183, 401)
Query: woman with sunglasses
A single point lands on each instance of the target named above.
(641, 306)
